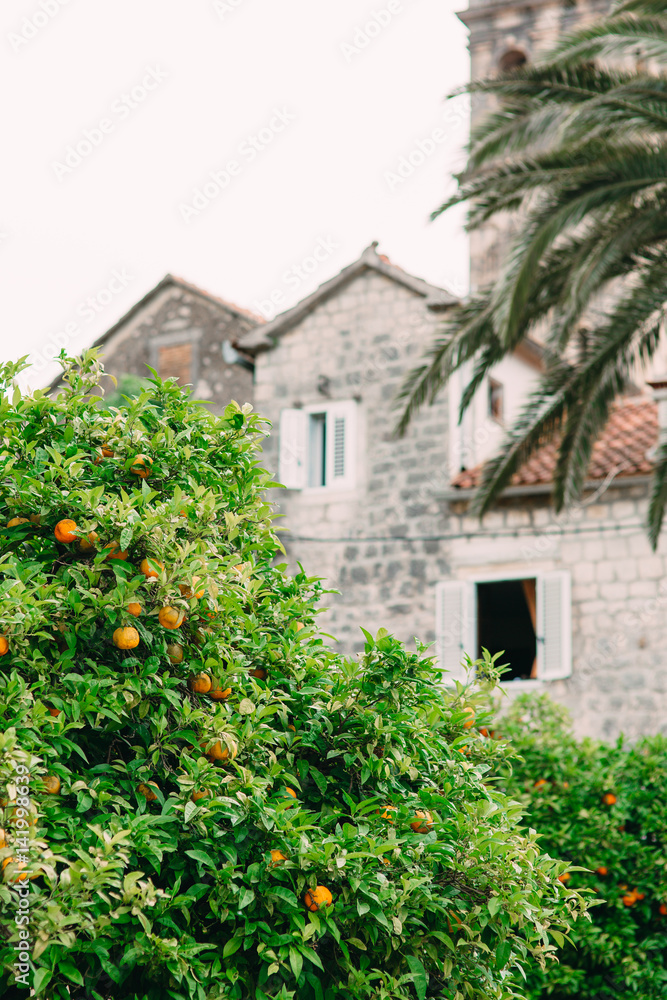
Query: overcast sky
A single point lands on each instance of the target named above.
(222, 141)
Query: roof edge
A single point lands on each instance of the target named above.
(264, 338)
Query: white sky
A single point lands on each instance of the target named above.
(229, 66)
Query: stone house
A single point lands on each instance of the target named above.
(182, 331)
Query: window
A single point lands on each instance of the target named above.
(318, 446)
(495, 404)
(512, 59)
(527, 617)
(175, 360)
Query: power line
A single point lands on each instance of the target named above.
(452, 536)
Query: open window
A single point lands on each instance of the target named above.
(527, 617)
(318, 446)
(496, 400)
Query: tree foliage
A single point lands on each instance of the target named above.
(362, 776)
(603, 808)
(575, 144)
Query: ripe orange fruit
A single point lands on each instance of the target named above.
(317, 898)
(171, 617)
(484, 732)
(423, 822)
(630, 899)
(609, 799)
(259, 673)
(65, 531)
(277, 857)
(36, 518)
(565, 877)
(186, 589)
(151, 568)
(134, 608)
(200, 683)
(146, 789)
(640, 895)
(387, 813)
(602, 870)
(55, 712)
(662, 909)
(293, 728)
(4, 646)
(15, 521)
(540, 783)
(88, 544)
(20, 865)
(52, 784)
(299, 626)
(175, 653)
(221, 752)
(3, 839)
(196, 796)
(126, 638)
(142, 466)
(470, 721)
(217, 694)
(107, 452)
(115, 550)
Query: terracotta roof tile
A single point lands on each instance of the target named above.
(631, 430)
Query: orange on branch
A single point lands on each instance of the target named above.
(146, 789)
(217, 693)
(175, 653)
(171, 617)
(316, 898)
(52, 784)
(134, 609)
(423, 822)
(258, 672)
(142, 466)
(151, 568)
(65, 531)
(200, 684)
(87, 544)
(609, 799)
(277, 857)
(126, 638)
(4, 646)
(20, 865)
(470, 721)
(15, 521)
(115, 550)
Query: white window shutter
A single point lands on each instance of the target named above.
(554, 626)
(341, 445)
(292, 471)
(456, 626)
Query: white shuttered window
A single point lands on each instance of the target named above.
(318, 446)
(540, 625)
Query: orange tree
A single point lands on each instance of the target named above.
(604, 809)
(202, 798)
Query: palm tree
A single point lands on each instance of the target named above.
(577, 144)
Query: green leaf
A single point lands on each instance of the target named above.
(296, 961)
(202, 856)
(494, 904)
(71, 971)
(357, 943)
(419, 976)
(246, 898)
(42, 977)
(503, 952)
(232, 946)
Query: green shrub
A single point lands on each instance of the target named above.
(604, 809)
(153, 890)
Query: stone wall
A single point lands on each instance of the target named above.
(364, 340)
(181, 334)
(619, 598)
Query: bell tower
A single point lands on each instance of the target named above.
(505, 34)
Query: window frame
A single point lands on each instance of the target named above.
(332, 409)
(469, 629)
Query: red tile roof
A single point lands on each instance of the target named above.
(631, 430)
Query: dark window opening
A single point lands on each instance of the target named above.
(496, 400)
(317, 446)
(506, 620)
(512, 60)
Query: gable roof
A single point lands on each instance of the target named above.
(265, 338)
(620, 451)
(166, 282)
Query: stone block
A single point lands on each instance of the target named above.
(614, 591)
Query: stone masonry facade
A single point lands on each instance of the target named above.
(374, 543)
(181, 332)
(619, 598)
